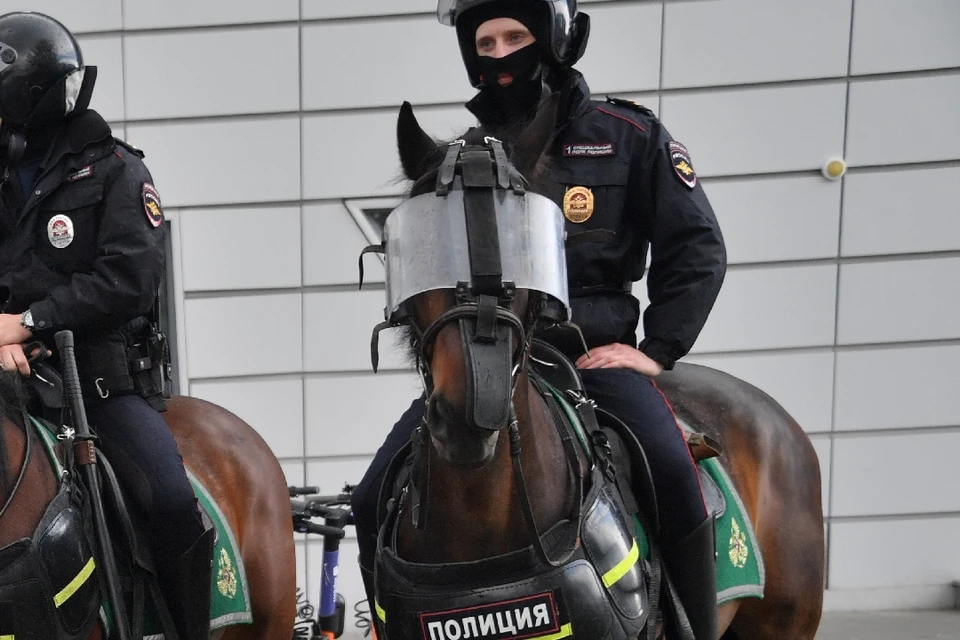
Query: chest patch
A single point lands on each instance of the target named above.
(80, 174)
(60, 231)
(588, 150)
(151, 204)
(578, 204)
(682, 164)
(533, 616)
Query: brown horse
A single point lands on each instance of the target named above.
(228, 457)
(473, 491)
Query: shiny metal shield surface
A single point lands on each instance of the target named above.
(425, 242)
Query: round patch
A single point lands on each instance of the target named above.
(578, 204)
(151, 204)
(60, 231)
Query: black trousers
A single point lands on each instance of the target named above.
(630, 395)
(142, 451)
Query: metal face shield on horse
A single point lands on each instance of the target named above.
(482, 237)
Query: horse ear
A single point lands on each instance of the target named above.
(413, 143)
(535, 138)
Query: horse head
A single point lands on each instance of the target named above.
(474, 262)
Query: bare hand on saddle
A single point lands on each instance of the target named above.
(619, 356)
(11, 330)
(19, 356)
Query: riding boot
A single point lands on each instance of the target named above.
(186, 587)
(691, 564)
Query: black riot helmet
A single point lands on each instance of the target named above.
(561, 31)
(41, 70)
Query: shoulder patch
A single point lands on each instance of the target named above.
(682, 164)
(630, 104)
(151, 204)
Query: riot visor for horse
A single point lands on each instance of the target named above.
(426, 246)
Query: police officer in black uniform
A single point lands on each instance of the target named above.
(625, 186)
(82, 248)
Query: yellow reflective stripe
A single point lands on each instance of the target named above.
(75, 584)
(7, 638)
(620, 570)
(380, 612)
(565, 632)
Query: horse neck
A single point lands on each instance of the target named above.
(478, 513)
(36, 490)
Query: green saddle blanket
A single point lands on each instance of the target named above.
(740, 570)
(230, 594)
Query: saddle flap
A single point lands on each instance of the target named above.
(550, 364)
(712, 496)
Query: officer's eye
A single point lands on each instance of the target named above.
(485, 45)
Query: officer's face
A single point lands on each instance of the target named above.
(499, 38)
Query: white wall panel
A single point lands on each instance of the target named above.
(771, 308)
(234, 161)
(772, 219)
(758, 130)
(932, 131)
(801, 382)
(891, 553)
(105, 53)
(261, 76)
(294, 471)
(79, 17)
(896, 301)
(330, 475)
(901, 211)
(365, 406)
(240, 248)
(414, 59)
(624, 49)
(742, 41)
(895, 473)
(898, 388)
(181, 13)
(649, 100)
(272, 406)
(327, 9)
(228, 336)
(337, 330)
(332, 242)
(821, 445)
(901, 35)
(355, 154)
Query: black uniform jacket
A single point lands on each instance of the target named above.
(84, 250)
(624, 186)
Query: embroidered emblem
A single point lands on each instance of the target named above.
(226, 575)
(738, 545)
(86, 172)
(151, 204)
(578, 204)
(60, 231)
(588, 150)
(682, 164)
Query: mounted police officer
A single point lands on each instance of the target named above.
(625, 186)
(82, 248)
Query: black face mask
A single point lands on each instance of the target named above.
(523, 94)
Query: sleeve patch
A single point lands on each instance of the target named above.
(682, 164)
(151, 204)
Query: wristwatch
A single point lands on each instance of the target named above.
(26, 321)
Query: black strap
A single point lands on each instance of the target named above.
(483, 239)
(373, 248)
(449, 167)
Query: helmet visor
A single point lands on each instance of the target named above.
(449, 10)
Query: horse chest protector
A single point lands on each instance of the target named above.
(598, 594)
